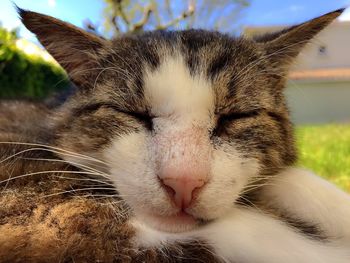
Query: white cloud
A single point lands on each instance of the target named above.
(51, 3)
(345, 16)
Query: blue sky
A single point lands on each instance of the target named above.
(261, 12)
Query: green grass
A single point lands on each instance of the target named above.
(325, 149)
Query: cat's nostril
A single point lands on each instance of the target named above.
(182, 189)
(169, 190)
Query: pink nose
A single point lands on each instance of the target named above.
(183, 189)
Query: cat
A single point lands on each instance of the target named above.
(187, 136)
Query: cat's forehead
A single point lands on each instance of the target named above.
(201, 49)
(192, 69)
(171, 89)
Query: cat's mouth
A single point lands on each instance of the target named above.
(179, 222)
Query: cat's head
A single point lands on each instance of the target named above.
(184, 120)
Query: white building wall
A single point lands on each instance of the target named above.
(316, 103)
(319, 101)
(335, 40)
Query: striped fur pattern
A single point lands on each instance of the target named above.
(193, 101)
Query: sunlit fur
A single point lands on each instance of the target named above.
(245, 235)
(327, 205)
(191, 107)
(215, 103)
(197, 101)
(183, 106)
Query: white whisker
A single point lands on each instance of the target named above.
(57, 150)
(79, 190)
(44, 172)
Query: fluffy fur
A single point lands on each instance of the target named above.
(51, 211)
(82, 181)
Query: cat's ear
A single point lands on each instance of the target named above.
(283, 46)
(73, 48)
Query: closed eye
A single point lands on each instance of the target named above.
(142, 117)
(238, 115)
(225, 119)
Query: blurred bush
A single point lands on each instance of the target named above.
(25, 76)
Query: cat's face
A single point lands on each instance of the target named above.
(186, 131)
(184, 121)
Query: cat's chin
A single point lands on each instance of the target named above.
(180, 222)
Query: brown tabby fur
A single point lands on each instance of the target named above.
(38, 223)
(70, 227)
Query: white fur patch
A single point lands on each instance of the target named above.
(248, 236)
(313, 199)
(172, 91)
(183, 106)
